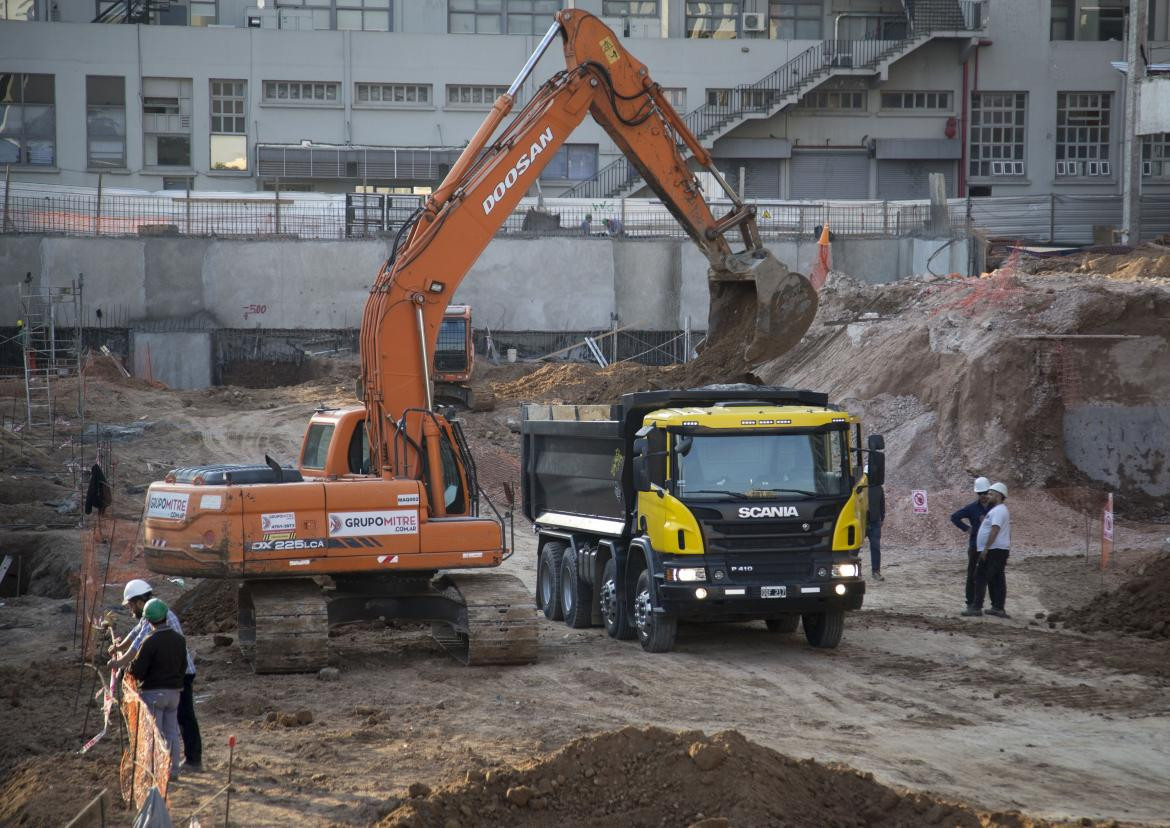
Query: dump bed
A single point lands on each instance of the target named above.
(573, 460)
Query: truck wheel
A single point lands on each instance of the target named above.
(548, 579)
(655, 631)
(824, 629)
(786, 624)
(576, 594)
(613, 610)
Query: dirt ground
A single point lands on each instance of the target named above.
(987, 716)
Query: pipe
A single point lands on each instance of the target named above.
(422, 350)
(530, 64)
(962, 188)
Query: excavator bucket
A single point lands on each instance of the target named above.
(758, 305)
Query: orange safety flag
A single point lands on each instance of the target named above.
(1107, 532)
(824, 262)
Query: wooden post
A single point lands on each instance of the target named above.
(97, 217)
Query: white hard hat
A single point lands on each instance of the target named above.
(135, 589)
(999, 487)
(982, 484)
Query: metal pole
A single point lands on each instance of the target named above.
(97, 217)
(1052, 218)
(530, 64)
(1131, 188)
(7, 188)
(276, 204)
(422, 350)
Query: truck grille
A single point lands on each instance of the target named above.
(769, 572)
(763, 536)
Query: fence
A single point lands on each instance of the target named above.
(645, 347)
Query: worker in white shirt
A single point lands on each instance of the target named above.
(994, 542)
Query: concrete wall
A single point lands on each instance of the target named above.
(544, 284)
(1124, 446)
(178, 359)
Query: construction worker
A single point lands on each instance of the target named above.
(968, 519)
(875, 517)
(994, 542)
(587, 224)
(158, 665)
(135, 595)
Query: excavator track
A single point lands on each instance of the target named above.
(497, 624)
(284, 626)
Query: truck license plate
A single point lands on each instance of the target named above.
(774, 592)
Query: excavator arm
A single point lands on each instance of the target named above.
(440, 243)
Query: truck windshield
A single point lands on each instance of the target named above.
(779, 466)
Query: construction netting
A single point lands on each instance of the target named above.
(146, 757)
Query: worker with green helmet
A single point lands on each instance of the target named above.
(159, 667)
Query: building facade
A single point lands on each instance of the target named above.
(802, 99)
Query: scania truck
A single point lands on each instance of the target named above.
(724, 503)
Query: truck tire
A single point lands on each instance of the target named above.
(614, 612)
(548, 579)
(785, 624)
(824, 629)
(656, 631)
(576, 594)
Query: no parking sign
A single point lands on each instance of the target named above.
(918, 498)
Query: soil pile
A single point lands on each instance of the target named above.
(1140, 606)
(580, 383)
(1146, 262)
(208, 608)
(50, 791)
(653, 777)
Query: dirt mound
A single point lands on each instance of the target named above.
(50, 790)
(653, 777)
(1146, 262)
(208, 608)
(1140, 606)
(580, 383)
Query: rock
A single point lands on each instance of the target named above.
(589, 773)
(272, 716)
(473, 775)
(513, 425)
(519, 795)
(706, 757)
(304, 717)
(1039, 616)
(1055, 618)
(288, 720)
(328, 674)
(65, 609)
(418, 790)
(451, 822)
(222, 640)
(711, 822)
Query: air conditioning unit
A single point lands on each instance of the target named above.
(1147, 168)
(754, 22)
(1105, 168)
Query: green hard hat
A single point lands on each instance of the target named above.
(155, 611)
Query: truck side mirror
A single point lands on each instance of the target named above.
(683, 445)
(641, 473)
(877, 468)
(876, 442)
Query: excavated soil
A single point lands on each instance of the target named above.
(652, 777)
(210, 607)
(1140, 606)
(1150, 261)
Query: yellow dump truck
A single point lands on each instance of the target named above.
(724, 503)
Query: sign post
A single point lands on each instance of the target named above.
(918, 498)
(1107, 532)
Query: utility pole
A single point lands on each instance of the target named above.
(1131, 187)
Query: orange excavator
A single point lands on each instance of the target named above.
(384, 517)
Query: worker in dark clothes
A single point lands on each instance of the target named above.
(159, 667)
(875, 517)
(968, 519)
(995, 543)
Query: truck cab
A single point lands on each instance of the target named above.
(735, 505)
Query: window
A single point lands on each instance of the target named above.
(500, 16)
(676, 96)
(317, 441)
(1082, 133)
(302, 93)
(405, 95)
(740, 99)
(1094, 20)
(931, 101)
(716, 20)
(573, 162)
(364, 15)
(166, 122)
(105, 115)
(28, 121)
(626, 8)
(18, 10)
(1156, 155)
(1060, 26)
(795, 21)
(202, 14)
(997, 133)
(229, 140)
(852, 100)
(468, 96)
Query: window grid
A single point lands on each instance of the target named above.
(849, 100)
(1082, 133)
(740, 98)
(572, 162)
(364, 15)
(227, 107)
(28, 120)
(676, 96)
(105, 98)
(166, 120)
(500, 16)
(795, 21)
(714, 20)
(1156, 155)
(473, 96)
(997, 134)
(935, 101)
(629, 8)
(393, 94)
(316, 93)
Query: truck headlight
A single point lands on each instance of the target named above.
(848, 570)
(686, 574)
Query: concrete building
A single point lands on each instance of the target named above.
(798, 99)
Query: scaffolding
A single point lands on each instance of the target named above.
(50, 340)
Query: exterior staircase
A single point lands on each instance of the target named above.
(132, 11)
(926, 20)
